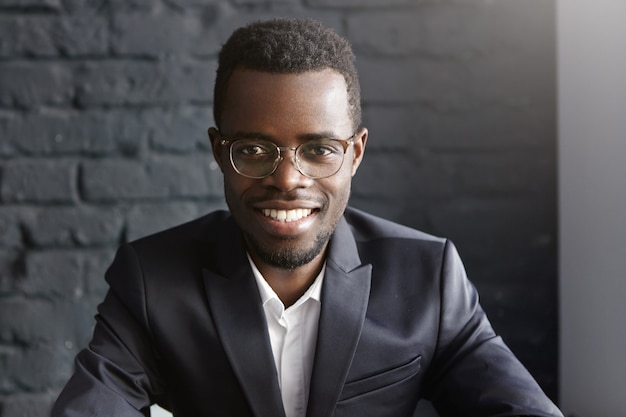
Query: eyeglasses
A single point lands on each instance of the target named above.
(259, 158)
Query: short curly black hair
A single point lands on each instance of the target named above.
(287, 45)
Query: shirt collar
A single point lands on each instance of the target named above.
(314, 292)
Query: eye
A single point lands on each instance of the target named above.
(321, 148)
(251, 150)
(247, 148)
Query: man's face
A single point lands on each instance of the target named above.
(286, 217)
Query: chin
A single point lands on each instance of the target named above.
(286, 256)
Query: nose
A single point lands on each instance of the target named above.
(287, 176)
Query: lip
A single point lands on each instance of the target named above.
(285, 205)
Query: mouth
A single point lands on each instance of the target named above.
(287, 216)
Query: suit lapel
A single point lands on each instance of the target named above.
(240, 321)
(345, 295)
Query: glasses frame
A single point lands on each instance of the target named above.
(224, 141)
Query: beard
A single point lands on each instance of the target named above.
(288, 257)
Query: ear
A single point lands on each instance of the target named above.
(360, 139)
(216, 147)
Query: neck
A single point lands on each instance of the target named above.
(290, 285)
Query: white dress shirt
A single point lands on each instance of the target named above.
(293, 335)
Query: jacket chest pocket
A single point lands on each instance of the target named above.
(383, 381)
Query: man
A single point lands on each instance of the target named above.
(293, 304)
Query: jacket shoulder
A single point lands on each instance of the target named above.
(366, 227)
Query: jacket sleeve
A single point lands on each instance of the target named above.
(116, 374)
(473, 372)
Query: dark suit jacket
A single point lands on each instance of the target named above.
(182, 325)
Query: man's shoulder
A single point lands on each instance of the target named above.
(366, 226)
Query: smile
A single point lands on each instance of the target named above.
(287, 215)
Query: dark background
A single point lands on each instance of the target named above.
(104, 105)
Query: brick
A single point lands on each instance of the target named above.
(31, 85)
(194, 80)
(38, 180)
(79, 291)
(115, 83)
(386, 33)
(397, 128)
(11, 267)
(522, 72)
(59, 132)
(412, 212)
(457, 31)
(35, 368)
(129, 129)
(355, 3)
(51, 35)
(21, 319)
(186, 33)
(11, 219)
(435, 83)
(53, 4)
(75, 226)
(477, 30)
(191, 3)
(493, 174)
(131, 4)
(7, 356)
(507, 81)
(264, 2)
(27, 405)
(230, 20)
(387, 174)
(65, 265)
(95, 264)
(7, 120)
(144, 82)
(526, 27)
(82, 35)
(494, 127)
(182, 130)
(160, 177)
(145, 219)
(9, 35)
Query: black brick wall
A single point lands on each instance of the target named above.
(104, 105)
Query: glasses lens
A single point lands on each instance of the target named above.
(254, 158)
(320, 158)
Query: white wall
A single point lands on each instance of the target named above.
(592, 199)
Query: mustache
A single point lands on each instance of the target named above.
(285, 196)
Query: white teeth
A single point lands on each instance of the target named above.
(287, 215)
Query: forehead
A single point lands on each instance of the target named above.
(307, 101)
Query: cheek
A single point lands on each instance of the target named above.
(339, 188)
(235, 187)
